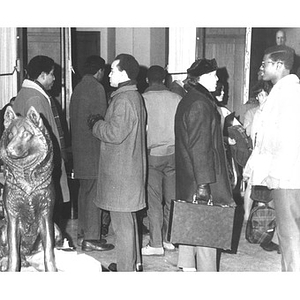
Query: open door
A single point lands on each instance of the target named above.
(84, 44)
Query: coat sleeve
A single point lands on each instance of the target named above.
(200, 142)
(115, 128)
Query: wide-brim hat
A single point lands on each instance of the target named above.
(202, 66)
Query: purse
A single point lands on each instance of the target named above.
(261, 193)
(261, 224)
(201, 224)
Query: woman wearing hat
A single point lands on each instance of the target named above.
(200, 156)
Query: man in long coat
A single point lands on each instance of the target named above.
(35, 92)
(121, 181)
(88, 98)
(200, 155)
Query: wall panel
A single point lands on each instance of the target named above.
(227, 46)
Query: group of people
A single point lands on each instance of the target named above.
(134, 152)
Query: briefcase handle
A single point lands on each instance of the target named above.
(198, 201)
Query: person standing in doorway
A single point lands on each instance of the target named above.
(122, 165)
(88, 98)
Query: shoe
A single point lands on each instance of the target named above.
(80, 240)
(148, 250)
(189, 270)
(91, 245)
(113, 267)
(270, 247)
(168, 246)
(139, 267)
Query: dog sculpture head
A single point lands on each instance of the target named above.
(25, 141)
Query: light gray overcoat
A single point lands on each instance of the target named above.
(121, 182)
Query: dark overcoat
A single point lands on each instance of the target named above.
(88, 98)
(121, 182)
(199, 148)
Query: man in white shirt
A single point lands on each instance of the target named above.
(277, 164)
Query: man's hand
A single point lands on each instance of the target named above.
(203, 194)
(92, 119)
(231, 141)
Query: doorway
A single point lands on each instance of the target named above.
(84, 44)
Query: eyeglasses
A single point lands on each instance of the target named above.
(270, 62)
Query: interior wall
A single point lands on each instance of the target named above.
(227, 46)
(148, 45)
(293, 38)
(8, 59)
(134, 41)
(47, 41)
(44, 41)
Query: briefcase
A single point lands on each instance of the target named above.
(201, 225)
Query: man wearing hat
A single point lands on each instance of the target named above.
(122, 165)
(200, 155)
(278, 161)
(88, 98)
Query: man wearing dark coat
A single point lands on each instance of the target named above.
(88, 98)
(199, 155)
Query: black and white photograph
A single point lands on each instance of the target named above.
(132, 141)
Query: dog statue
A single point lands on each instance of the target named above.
(28, 198)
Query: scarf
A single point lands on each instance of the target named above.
(38, 86)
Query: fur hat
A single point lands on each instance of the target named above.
(202, 66)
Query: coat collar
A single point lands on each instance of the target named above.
(291, 78)
(124, 88)
(89, 77)
(156, 87)
(201, 89)
(36, 86)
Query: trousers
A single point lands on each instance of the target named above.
(204, 259)
(287, 211)
(89, 215)
(161, 190)
(127, 246)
